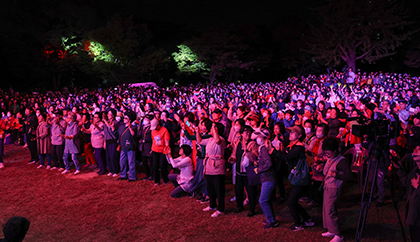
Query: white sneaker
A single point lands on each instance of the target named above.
(61, 169)
(115, 175)
(208, 208)
(328, 234)
(65, 172)
(76, 172)
(216, 214)
(233, 199)
(53, 168)
(337, 239)
(246, 201)
(40, 166)
(109, 174)
(32, 162)
(1, 165)
(48, 167)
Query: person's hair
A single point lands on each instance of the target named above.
(217, 111)
(290, 112)
(88, 115)
(166, 112)
(190, 116)
(242, 108)
(131, 115)
(241, 122)
(44, 116)
(303, 136)
(311, 122)
(281, 127)
(207, 123)
(16, 228)
(330, 144)
(247, 128)
(187, 150)
(220, 129)
(325, 128)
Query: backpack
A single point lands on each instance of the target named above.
(300, 175)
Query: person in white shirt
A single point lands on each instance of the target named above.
(182, 181)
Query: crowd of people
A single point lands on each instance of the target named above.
(264, 133)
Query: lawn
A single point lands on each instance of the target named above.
(88, 207)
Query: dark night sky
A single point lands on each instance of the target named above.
(172, 21)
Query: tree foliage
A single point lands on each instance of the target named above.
(351, 30)
(220, 52)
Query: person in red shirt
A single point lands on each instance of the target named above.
(160, 147)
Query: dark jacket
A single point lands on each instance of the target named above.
(127, 141)
(412, 213)
(265, 166)
(291, 155)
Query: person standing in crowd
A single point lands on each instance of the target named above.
(182, 181)
(31, 123)
(336, 171)
(43, 140)
(111, 142)
(58, 128)
(2, 133)
(128, 142)
(87, 147)
(293, 153)
(202, 132)
(145, 146)
(72, 143)
(245, 153)
(160, 146)
(268, 180)
(96, 131)
(409, 173)
(214, 169)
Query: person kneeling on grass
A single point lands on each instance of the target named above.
(336, 171)
(182, 181)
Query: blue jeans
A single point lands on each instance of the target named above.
(129, 157)
(42, 158)
(265, 202)
(67, 162)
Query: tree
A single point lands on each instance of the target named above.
(219, 52)
(351, 30)
(125, 52)
(187, 61)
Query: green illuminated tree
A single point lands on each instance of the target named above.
(351, 30)
(187, 61)
(220, 51)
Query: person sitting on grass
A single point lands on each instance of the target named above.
(182, 181)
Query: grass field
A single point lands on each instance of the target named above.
(88, 207)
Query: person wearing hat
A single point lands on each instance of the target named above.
(127, 139)
(293, 153)
(267, 175)
(160, 147)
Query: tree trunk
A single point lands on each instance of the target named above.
(351, 60)
(212, 77)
